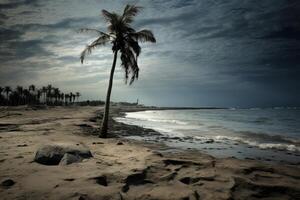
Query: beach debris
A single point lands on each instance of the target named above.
(53, 154)
(7, 183)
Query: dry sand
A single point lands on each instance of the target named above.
(123, 169)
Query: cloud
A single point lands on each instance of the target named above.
(17, 3)
(205, 49)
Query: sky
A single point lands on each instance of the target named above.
(224, 53)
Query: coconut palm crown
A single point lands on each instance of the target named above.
(124, 39)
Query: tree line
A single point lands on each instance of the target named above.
(46, 95)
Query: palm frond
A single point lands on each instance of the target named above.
(143, 36)
(129, 12)
(84, 30)
(110, 17)
(134, 45)
(129, 63)
(102, 40)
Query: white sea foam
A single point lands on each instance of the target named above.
(172, 121)
(280, 146)
(261, 128)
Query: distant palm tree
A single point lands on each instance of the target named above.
(27, 94)
(56, 94)
(7, 90)
(62, 96)
(49, 93)
(73, 97)
(44, 90)
(70, 97)
(32, 88)
(39, 94)
(124, 39)
(32, 97)
(19, 91)
(67, 96)
(77, 95)
(1, 97)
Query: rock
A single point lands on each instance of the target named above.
(209, 141)
(7, 183)
(69, 159)
(52, 154)
(120, 143)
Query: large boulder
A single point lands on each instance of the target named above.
(53, 154)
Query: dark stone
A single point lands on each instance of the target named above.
(53, 154)
(120, 143)
(8, 183)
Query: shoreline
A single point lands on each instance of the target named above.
(122, 168)
(238, 149)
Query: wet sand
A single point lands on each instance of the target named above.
(121, 168)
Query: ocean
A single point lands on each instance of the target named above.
(263, 134)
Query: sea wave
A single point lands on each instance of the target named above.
(261, 145)
(172, 121)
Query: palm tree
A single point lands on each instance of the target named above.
(19, 91)
(56, 94)
(49, 92)
(73, 97)
(66, 98)
(124, 39)
(7, 90)
(1, 98)
(32, 97)
(44, 90)
(70, 97)
(61, 98)
(31, 88)
(38, 95)
(27, 94)
(77, 95)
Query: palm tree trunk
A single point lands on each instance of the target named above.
(104, 125)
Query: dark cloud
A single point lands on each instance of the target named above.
(284, 33)
(8, 34)
(17, 3)
(27, 49)
(69, 23)
(220, 51)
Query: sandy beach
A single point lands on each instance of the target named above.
(121, 168)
